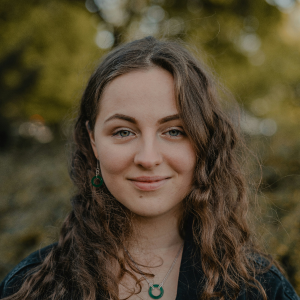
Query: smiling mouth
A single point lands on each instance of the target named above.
(146, 184)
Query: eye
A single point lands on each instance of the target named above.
(122, 133)
(175, 132)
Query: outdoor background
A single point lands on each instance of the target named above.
(49, 48)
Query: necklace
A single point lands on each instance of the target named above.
(156, 286)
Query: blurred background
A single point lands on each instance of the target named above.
(49, 48)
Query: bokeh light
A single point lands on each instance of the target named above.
(104, 39)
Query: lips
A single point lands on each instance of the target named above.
(147, 183)
(149, 178)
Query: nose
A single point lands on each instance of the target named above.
(148, 153)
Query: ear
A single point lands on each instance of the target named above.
(92, 139)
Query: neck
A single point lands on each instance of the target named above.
(156, 234)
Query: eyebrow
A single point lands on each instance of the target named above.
(134, 121)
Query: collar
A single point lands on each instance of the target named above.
(191, 276)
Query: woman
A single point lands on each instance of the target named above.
(161, 205)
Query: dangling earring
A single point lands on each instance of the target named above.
(97, 176)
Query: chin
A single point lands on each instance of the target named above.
(148, 214)
(151, 212)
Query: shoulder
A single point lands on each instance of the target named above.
(274, 283)
(14, 279)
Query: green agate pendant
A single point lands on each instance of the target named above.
(156, 286)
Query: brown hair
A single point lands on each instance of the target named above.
(93, 234)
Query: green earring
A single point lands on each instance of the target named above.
(97, 177)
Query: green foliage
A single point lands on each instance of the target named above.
(46, 49)
(35, 197)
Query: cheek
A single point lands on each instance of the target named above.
(183, 160)
(113, 160)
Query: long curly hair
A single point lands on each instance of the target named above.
(93, 235)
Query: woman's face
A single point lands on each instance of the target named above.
(146, 160)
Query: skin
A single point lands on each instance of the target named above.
(146, 148)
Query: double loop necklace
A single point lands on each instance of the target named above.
(153, 286)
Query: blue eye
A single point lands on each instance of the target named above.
(175, 132)
(122, 133)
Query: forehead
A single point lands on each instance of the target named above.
(140, 94)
